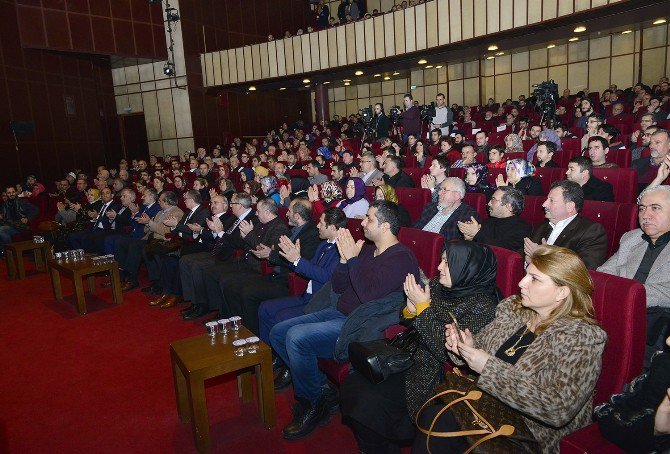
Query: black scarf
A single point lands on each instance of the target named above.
(472, 267)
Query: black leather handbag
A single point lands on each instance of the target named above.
(378, 359)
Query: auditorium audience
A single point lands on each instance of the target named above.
(354, 204)
(580, 170)
(443, 216)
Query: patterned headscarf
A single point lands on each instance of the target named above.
(359, 192)
(269, 185)
(517, 143)
(389, 192)
(523, 168)
(330, 191)
(482, 173)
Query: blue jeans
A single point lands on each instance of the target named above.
(277, 310)
(6, 232)
(301, 341)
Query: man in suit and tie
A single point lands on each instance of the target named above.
(644, 255)
(196, 213)
(318, 270)
(566, 228)
(136, 229)
(101, 222)
(264, 234)
(192, 266)
(244, 295)
(128, 251)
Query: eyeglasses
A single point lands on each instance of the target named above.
(235, 203)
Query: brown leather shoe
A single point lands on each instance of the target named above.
(159, 301)
(171, 301)
(127, 286)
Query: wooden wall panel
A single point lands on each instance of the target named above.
(534, 11)
(443, 20)
(323, 49)
(351, 44)
(549, 9)
(232, 66)
(506, 14)
(209, 73)
(332, 47)
(565, 7)
(454, 16)
(297, 54)
(239, 57)
(520, 19)
(421, 35)
(306, 53)
(399, 27)
(492, 15)
(410, 30)
(467, 19)
(225, 71)
(341, 46)
(389, 35)
(272, 58)
(369, 25)
(216, 65)
(265, 61)
(288, 53)
(248, 64)
(281, 57)
(314, 50)
(359, 30)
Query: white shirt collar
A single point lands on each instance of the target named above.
(560, 225)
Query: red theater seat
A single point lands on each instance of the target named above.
(620, 309)
(624, 182)
(510, 270)
(616, 218)
(354, 226)
(416, 174)
(533, 213)
(427, 247)
(478, 202)
(413, 199)
(622, 157)
(548, 176)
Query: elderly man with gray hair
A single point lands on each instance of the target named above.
(443, 216)
(644, 256)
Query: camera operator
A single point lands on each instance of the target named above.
(444, 117)
(410, 120)
(381, 122)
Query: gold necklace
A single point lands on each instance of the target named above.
(513, 349)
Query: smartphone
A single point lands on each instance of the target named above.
(458, 328)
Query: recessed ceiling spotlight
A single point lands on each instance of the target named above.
(493, 47)
(305, 81)
(500, 53)
(551, 46)
(572, 40)
(282, 88)
(423, 61)
(396, 73)
(438, 66)
(252, 88)
(490, 58)
(346, 80)
(387, 78)
(579, 29)
(347, 83)
(307, 86)
(377, 75)
(625, 32)
(428, 66)
(659, 21)
(359, 73)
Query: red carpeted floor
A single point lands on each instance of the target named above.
(102, 382)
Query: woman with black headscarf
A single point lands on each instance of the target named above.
(381, 414)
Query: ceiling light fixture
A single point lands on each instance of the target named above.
(359, 73)
(572, 40)
(282, 88)
(347, 84)
(326, 82)
(490, 58)
(307, 86)
(493, 47)
(377, 75)
(306, 81)
(659, 21)
(396, 73)
(579, 29)
(438, 66)
(423, 61)
(428, 66)
(551, 46)
(346, 80)
(252, 88)
(387, 78)
(500, 53)
(625, 32)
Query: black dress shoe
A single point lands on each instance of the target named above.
(192, 307)
(305, 421)
(283, 380)
(196, 313)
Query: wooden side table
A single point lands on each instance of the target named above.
(76, 271)
(14, 257)
(199, 358)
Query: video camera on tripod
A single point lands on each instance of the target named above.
(366, 118)
(394, 115)
(428, 112)
(546, 94)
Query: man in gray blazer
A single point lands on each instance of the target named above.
(644, 255)
(369, 171)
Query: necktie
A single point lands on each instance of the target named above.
(232, 228)
(100, 216)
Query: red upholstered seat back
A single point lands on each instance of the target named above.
(624, 182)
(622, 157)
(620, 308)
(478, 202)
(548, 176)
(416, 175)
(354, 226)
(533, 213)
(616, 218)
(427, 247)
(413, 199)
(510, 270)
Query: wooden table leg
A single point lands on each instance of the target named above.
(116, 284)
(79, 293)
(39, 262)
(11, 263)
(196, 391)
(180, 390)
(20, 268)
(90, 283)
(266, 391)
(245, 387)
(55, 284)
